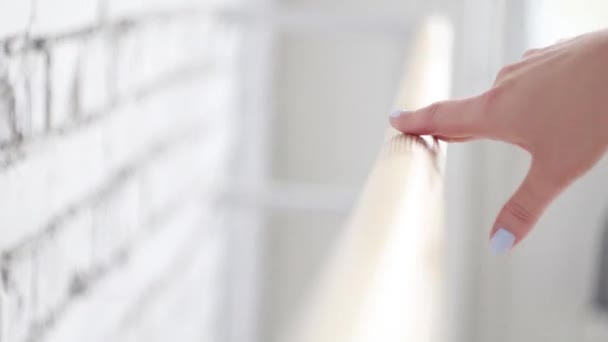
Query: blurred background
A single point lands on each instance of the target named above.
(181, 170)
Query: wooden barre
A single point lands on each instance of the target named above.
(383, 282)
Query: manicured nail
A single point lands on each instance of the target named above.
(396, 113)
(502, 241)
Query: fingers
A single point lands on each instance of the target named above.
(455, 119)
(523, 210)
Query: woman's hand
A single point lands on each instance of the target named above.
(552, 103)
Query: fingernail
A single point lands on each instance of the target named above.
(502, 241)
(396, 113)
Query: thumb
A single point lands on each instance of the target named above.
(519, 215)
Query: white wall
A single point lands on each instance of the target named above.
(544, 289)
(115, 126)
(549, 282)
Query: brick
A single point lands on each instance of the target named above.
(25, 183)
(130, 61)
(6, 102)
(4, 313)
(182, 309)
(30, 79)
(117, 222)
(117, 219)
(141, 60)
(95, 74)
(177, 172)
(64, 83)
(20, 301)
(14, 17)
(115, 184)
(59, 259)
(137, 123)
(47, 180)
(101, 310)
(18, 80)
(11, 97)
(23, 100)
(64, 16)
(38, 84)
(6, 123)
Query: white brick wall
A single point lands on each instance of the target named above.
(114, 134)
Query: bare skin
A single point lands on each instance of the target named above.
(553, 103)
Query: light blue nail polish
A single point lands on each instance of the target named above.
(396, 114)
(502, 241)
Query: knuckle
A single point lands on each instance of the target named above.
(433, 113)
(492, 115)
(434, 108)
(505, 71)
(519, 213)
(492, 99)
(530, 52)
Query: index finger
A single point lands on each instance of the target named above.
(451, 119)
